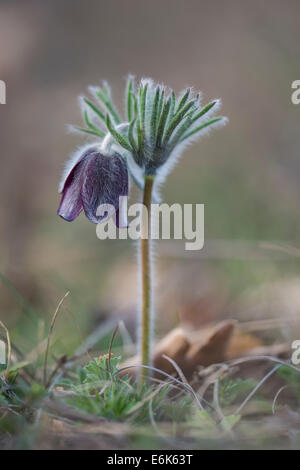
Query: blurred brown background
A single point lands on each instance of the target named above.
(247, 174)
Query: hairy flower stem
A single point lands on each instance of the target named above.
(145, 337)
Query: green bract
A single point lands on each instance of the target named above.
(157, 124)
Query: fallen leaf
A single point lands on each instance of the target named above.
(213, 344)
(189, 350)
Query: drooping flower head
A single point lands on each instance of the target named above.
(93, 179)
(156, 128)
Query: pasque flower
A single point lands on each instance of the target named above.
(145, 144)
(92, 179)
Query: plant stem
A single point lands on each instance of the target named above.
(145, 336)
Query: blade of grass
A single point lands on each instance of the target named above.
(110, 347)
(252, 393)
(185, 386)
(50, 333)
(8, 349)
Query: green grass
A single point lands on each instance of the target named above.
(160, 414)
(98, 389)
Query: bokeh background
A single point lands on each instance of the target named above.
(246, 174)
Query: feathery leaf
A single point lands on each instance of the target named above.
(106, 100)
(94, 108)
(118, 137)
(199, 128)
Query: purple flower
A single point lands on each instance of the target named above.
(93, 179)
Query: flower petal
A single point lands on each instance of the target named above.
(71, 204)
(105, 179)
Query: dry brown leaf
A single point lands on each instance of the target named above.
(242, 342)
(213, 344)
(189, 349)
